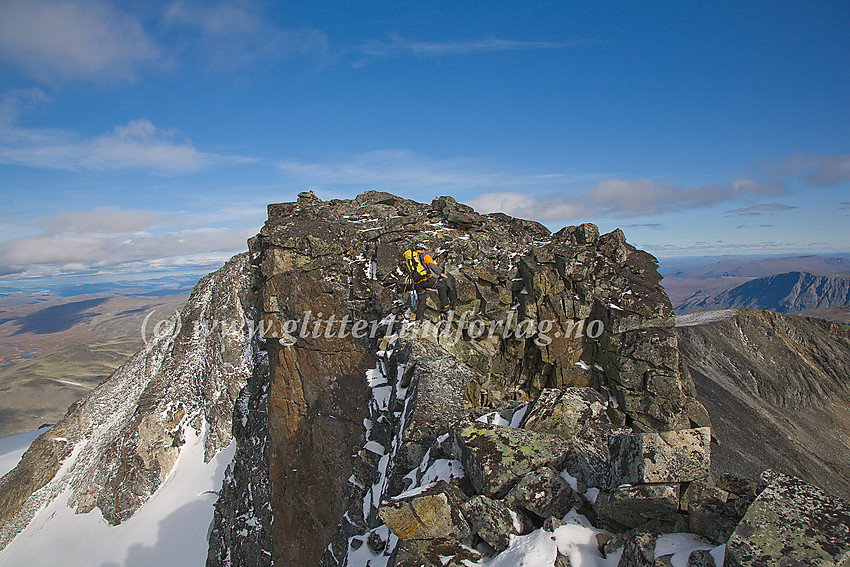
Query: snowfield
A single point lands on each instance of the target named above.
(704, 317)
(169, 530)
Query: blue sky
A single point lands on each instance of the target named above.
(145, 138)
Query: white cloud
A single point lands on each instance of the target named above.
(69, 39)
(138, 144)
(640, 197)
(551, 208)
(103, 220)
(618, 198)
(541, 196)
(104, 238)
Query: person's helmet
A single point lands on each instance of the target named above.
(419, 246)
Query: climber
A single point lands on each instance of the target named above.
(424, 274)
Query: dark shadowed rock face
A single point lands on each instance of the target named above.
(778, 389)
(339, 257)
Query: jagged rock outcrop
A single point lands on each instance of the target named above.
(116, 446)
(573, 308)
(785, 293)
(778, 389)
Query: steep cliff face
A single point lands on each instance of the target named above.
(338, 258)
(117, 445)
(778, 390)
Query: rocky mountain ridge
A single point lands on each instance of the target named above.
(784, 293)
(340, 257)
(551, 437)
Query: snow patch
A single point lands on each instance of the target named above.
(170, 529)
(705, 317)
(681, 545)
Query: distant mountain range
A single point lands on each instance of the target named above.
(784, 293)
(683, 278)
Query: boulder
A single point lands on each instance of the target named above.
(435, 553)
(639, 550)
(712, 512)
(667, 456)
(580, 415)
(493, 521)
(495, 457)
(699, 490)
(701, 558)
(434, 513)
(568, 413)
(628, 507)
(791, 523)
(544, 493)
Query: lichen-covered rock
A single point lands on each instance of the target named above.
(668, 456)
(699, 490)
(638, 550)
(582, 417)
(791, 523)
(569, 412)
(435, 553)
(240, 535)
(434, 513)
(493, 521)
(628, 507)
(544, 493)
(495, 457)
(701, 558)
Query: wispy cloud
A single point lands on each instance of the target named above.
(817, 170)
(622, 198)
(404, 170)
(399, 46)
(758, 210)
(55, 40)
(138, 144)
(229, 36)
(705, 247)
(649, 225)
(393, 169)
(14, 102)
(522, 205)
(844, 205)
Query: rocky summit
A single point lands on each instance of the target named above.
(549, 414)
